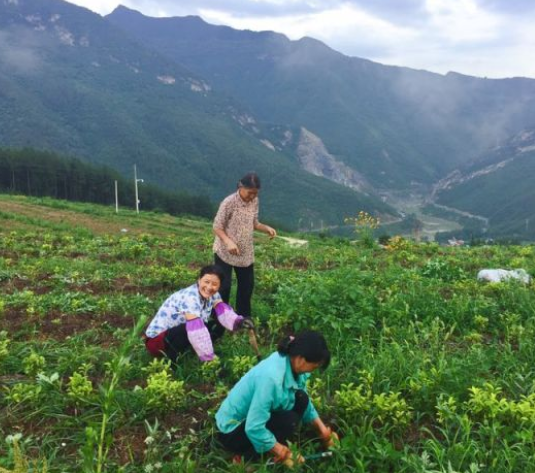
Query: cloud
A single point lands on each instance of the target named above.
(490, 38)
(511, 7)
(19, 50)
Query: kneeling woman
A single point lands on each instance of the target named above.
(182, 322)
(264, 408)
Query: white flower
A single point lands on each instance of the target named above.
(149, 440)
(158, 465)
(13, 438)
(148, 468)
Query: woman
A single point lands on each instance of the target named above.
(234, 224)
(180, 323)
(264, 408)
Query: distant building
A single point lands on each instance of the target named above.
(454, 242)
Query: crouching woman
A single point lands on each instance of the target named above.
(183, 321)
(264, 408)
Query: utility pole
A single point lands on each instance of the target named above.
(136, 180)
(116, 198)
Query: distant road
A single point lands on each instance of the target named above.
(485, 220)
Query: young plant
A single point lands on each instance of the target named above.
(80, 387)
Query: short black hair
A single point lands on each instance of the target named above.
(309, 344)
(212, 269)
(250, 181)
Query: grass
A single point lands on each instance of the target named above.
(431, 371)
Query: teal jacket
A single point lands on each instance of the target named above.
(269, 386)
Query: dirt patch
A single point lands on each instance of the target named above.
(55, 325)
(17, 284)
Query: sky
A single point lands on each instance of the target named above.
(483, 38)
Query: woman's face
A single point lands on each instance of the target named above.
(247, 194)
(301, 365)
(209, 284)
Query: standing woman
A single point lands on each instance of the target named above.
(234, 224)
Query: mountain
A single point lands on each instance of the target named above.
(393, 126)
(73, 83)
(499, 185)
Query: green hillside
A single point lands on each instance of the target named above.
(394, 125)
(72, 83)
(431, 371)
(501, 187)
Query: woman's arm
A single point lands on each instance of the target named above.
(327, 435)
(266, 229)
(199, 337)
(229, 243)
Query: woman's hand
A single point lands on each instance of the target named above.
(232, 247)
(270, 231)
(261, 227)
(281, 453)
(329, 438)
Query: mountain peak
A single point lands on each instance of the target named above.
(122, 9)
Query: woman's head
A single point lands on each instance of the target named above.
(307, 351)
(249, 186)
(210, 279)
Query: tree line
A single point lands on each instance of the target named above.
(43, 173)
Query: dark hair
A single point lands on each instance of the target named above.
(212, 269)
(309, 344)
(250, 181)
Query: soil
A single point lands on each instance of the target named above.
(58, 326)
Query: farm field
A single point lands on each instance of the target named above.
(432, 371)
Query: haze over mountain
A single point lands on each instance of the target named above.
(394, 126)
(197, 105)
(499, 185)
(72, 82)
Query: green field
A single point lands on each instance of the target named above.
(431, 371)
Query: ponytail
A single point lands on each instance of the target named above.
(309, 344)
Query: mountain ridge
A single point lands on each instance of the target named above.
(87, 89)
(394, 125)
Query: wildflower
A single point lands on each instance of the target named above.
(13, 438)
(149, 440)
(148, 468)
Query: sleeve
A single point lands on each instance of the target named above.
(161, 320)
(310, 413)
(259, 413)
(227, 317)
(223, 215)
(199, 338)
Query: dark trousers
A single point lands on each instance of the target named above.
(176, 338)
(244, 289)
(282, 424)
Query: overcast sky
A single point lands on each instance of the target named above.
(484, 38)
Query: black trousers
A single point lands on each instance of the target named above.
(176, 338)
(282, 424)
(244, 289)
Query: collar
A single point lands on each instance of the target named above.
(201, 298)
(290, 380)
